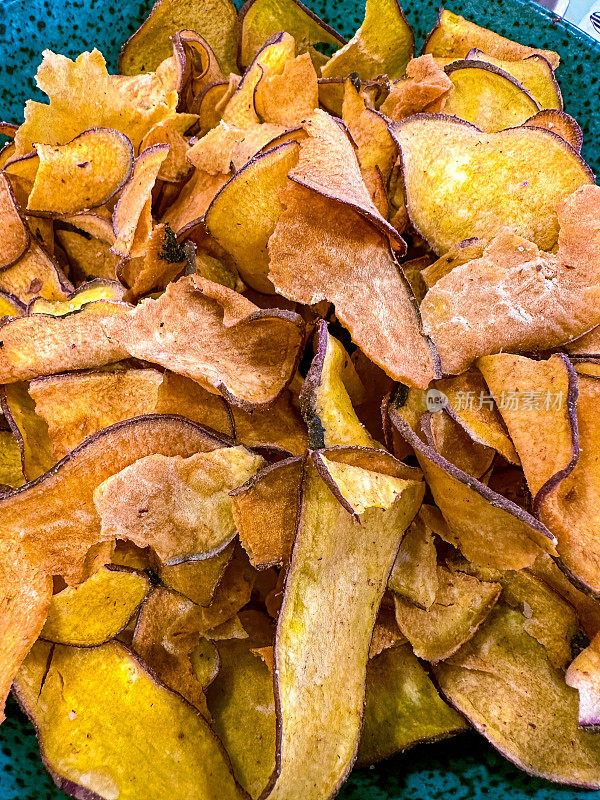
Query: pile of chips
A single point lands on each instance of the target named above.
(300, 366)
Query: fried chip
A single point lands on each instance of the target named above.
(10, 305)
(517, 297)
(179, 507)
(454, 36)
(62, 500)
(402, 708)
(383, 45)
(324, 400)
(260, 19)
(108, 692)
(505, 685)
(462, 603)
(30, 430)
(583, 674)
(170, 131)
(96, 610)
(535, 73)
(243, 214)
(455, 445)
(424, 88)
(280, 426)
(510, 179)
(414, 575)
(150, 44)
(487, 96)
(86, 240)
(354, 268)
(215, 336)
(95, 290)
(242, 707)
(265, 510)
(14, 234)
(560, 123)
(82, 174)
(323, 638)
(386, 633)
(11, 469)
(489, 529)
(197, 580)
(205, 662)
(290, 96)
(35, 274)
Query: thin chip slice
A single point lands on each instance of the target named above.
(583, 674)
(378, 309)
(11, 469)
(150, 44)
(383, 45)
(324, 399)
(414, 575)
(14, 234)
(215, 336)
(265, 510)
(454, 36)
(108, 692)
(560, 123)
(35, 274)
(86, 240)
(170, 131)
(487, 96)
(205, 662)
(505, 685)
(179, 507)
(402, 708)
(323, 638)
(455, 445)
(281, 425)
(96, 610)
(197, 580)
(287, 98)
(243, 214)
(29, 428)
(425, 87)
(534, 72)
(509, 179)
(98, 289)
(82, 174)
(260, 19)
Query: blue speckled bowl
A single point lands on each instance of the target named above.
(461, 768)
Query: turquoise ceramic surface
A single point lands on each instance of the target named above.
(460, 768)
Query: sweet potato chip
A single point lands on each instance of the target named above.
(535, 73)
(62, 499)
(96, 610)
(197, 580)
(42, 344)
(560, 123)
(290, 96)
(265, 510)
(10, 305)
(455, 445)
(170, 131)
(505, 685)
(260, 19)
(386, 632)
(383, 45)
(150, 44)
(583, 674)
(324, 399)
(215, 336)
(414, 575)
(11, 469)
(35, 274)
(86, 240)
(87, 705)
(454, 36)
(537, 401)
(243, 214)
(281, 425)
(179, 507)
(354, 268)
(424, 88)
(30, 430)
(510, 179)
(489, 529)
(314, 694)
(516, 297)
(95, 290)
(461, 605)
(205, 662)
(242, 707)
(402, 708)
(14, 234)
(487, 96)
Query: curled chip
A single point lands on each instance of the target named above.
(170, 131)
(96, 610)
(11, 468)
(179, 507)
(510, 179)
(82, 174)
(217, 337)
(29, 428)
(215, 21)
(86, 240)
(454, 36)
(414, 575)
(560, 123)
(197, 580)
(14, 234)
(35, 274)
(517, 297)
(487, 96)
(287, 98)
(383, 45)
(243, 214)
(402, 708)
(583, 674)
(535, 73)
(260, 19)
(87, 703)
(425, 87)
(322, 642)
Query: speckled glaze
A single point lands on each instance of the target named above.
(460, 768)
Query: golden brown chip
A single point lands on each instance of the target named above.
(197, 580)
(14, 234)
(30, 430)
(179, 507)
(583, 674)
(280, 425)
(414, 575)
(454, 444)
(286, 98)
(386, 633)
(424, 88)
(86, 240)
(170, 131)
(454, 36)
(354, 268)
(215, 336)
(383, 45)
(35, 274)
(534, 72)
(560, 123)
